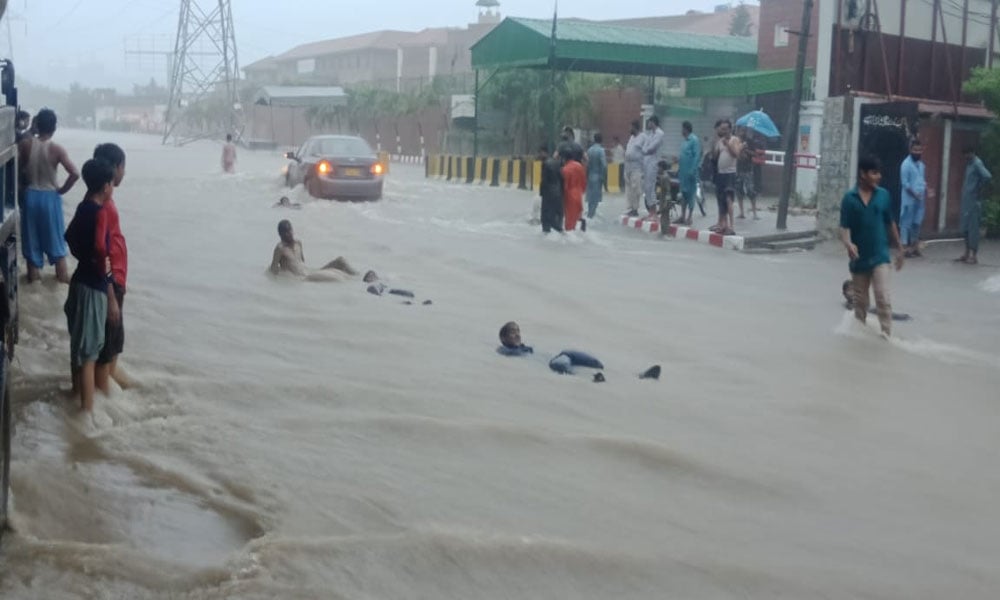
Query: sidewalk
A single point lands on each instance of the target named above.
(748, 230)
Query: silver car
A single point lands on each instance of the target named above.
(336, 167)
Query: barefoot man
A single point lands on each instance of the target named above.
(289, 258)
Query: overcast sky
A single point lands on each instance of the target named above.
(56, 42)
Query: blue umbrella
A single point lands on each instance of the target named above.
(759, 122)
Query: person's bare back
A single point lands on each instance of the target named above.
(289, 258)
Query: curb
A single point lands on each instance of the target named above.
(729, 242)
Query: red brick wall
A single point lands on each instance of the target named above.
(789, 14)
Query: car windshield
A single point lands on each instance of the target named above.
(341, 147)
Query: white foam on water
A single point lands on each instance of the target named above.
(991, 284)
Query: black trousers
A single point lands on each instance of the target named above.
(552, 213)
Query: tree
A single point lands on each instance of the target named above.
(742, 23)
(985, 83)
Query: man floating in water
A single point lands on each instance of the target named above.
(284, 202)
(289, 258)
(563, 363)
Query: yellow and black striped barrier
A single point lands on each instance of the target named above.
(502, 172)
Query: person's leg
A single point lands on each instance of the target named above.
(53, 235)
(973, 237)
(918, 224)
(880, 282)
(62, 271)
(340, 264)
(87, 386)
(741, 194)
(861, 283)
(730, 201)
(649, 179)
(30, 245)
(906, 224)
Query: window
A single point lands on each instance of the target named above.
(780, 36)
(306, 65)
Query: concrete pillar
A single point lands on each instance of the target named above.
(810, 134)
(836, 167)
(945, 176)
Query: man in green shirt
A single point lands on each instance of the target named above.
(866, 229)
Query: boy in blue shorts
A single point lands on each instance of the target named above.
(91, 301)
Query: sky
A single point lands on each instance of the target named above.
(57, 42)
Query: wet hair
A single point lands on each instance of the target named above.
(686, 126)
(45, 121)
(284, 200)
(598, 138)
(370, 276)
(23, 115)
(284, 225)
(655, 120)
(111, 154)
(97, 173)
(721, 122)
(869, 163)
(914, 143)
(637, 125)
(970, 149)
(506, 330)
(229, 137)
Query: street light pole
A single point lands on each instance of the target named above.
(792, 129)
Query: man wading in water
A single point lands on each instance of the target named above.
(866, 228)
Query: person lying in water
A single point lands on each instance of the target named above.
(289, 258)
(284, 202)
(378, 288)
(848, 291)
(563, 363)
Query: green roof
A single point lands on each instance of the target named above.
(750, 83)
(597, 48)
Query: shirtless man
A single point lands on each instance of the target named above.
(229, 155)
(288, 258)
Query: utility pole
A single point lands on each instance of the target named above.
(199, 76)
(792, 129)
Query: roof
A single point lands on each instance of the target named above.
(707, 23)
(386, 40)
(749, 83)
(277, 95)
(267, 62)
(593, 47)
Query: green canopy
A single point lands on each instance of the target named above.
(750, 83)
(596, 48)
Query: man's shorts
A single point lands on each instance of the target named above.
(725, 184)
(114, 335)
(42, 227)
(86, 315)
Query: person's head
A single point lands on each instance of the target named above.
(114, 156)
(686, 128)
(229, 137)
(848, 290)
(969, 152)
(285, 231)
(510, 335)
(284, 201)
(45, 121)
(723, 128)
(371, 277)
(653, 123)
(616, 140)
(598, 139)
(99, 177)
(23, 119)
(869, 172)
(568, 134)
(636, 127)
(916, 149)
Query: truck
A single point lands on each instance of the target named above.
(8, 267)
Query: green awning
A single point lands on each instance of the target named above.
(592, 47)
(749, 83)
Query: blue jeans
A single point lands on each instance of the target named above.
(911, 218)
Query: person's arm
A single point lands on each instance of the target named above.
(906, 173)
(276, 260)
(845, 230)
(894, 241)
(734, 146)
(984, 175)
(73, 174)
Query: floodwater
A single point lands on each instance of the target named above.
(309, 440)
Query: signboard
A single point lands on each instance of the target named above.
(886, 130)
(463, 106)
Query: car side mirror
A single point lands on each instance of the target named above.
(290, 155)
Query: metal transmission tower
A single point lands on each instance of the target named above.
(204, 75)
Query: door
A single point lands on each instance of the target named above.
(886, 130)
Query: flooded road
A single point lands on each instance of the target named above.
(309, 440)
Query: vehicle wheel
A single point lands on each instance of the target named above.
(288, 180)
(310, 185)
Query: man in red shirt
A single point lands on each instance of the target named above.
(110, 242)
(574, 186)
